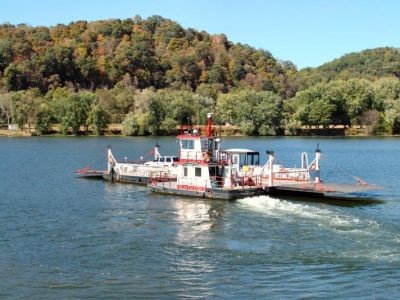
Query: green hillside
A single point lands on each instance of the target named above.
(370, 64)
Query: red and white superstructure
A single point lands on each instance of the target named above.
(204, 169)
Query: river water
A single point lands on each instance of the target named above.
(64, 237)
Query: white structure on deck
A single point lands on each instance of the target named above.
(141, 171)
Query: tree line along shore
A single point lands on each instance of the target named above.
(149, 76)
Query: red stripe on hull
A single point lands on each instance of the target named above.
(186, 187)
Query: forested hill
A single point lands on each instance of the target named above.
(150, 75)
(153, 52)
(369, 64)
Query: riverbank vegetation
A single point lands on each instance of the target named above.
(151, 75)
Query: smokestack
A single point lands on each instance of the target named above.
(209, 124)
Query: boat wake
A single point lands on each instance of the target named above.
(355, 236)
(277, 207)
(285, 209)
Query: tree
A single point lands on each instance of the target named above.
(210, 90)
(291, 120)
(44, 119)
(73, 111)
(257, 113)
(387, 97)
(156, 115)
(97, 119)
(359, 96)
(320, 113)
(216, 74)
(129, 125)
(14, 79)
(5, 106)
(336, 102)
(24, 107)
(5, 54)
(227, 108)
(370, 118)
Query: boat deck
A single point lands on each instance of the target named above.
(311, 191)
(90, 174)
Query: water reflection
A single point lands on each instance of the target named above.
(197, 222)
(186, 221)
(195, 219)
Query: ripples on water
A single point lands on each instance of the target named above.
(62, 237)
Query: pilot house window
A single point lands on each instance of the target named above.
(187, 144)
(197, 172)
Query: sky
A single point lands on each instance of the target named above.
(306, 32)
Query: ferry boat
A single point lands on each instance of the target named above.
(205, 170)
(139, 172)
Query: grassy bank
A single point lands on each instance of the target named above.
(14, 133)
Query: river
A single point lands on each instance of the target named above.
(64, 237)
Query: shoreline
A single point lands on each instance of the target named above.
(23, 133)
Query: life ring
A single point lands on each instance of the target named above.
(153, 183)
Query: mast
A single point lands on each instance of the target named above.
(317, 169)
(157, 154)
(271, 157)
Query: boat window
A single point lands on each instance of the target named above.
(185, 172)
(249, 159)
(243, 160)
(210, 144)
(220, 171)
(212, 171)
(253, 159)
(235, 159)
(168, 159)
(187, 144)
(197, 172)
(175, 158)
